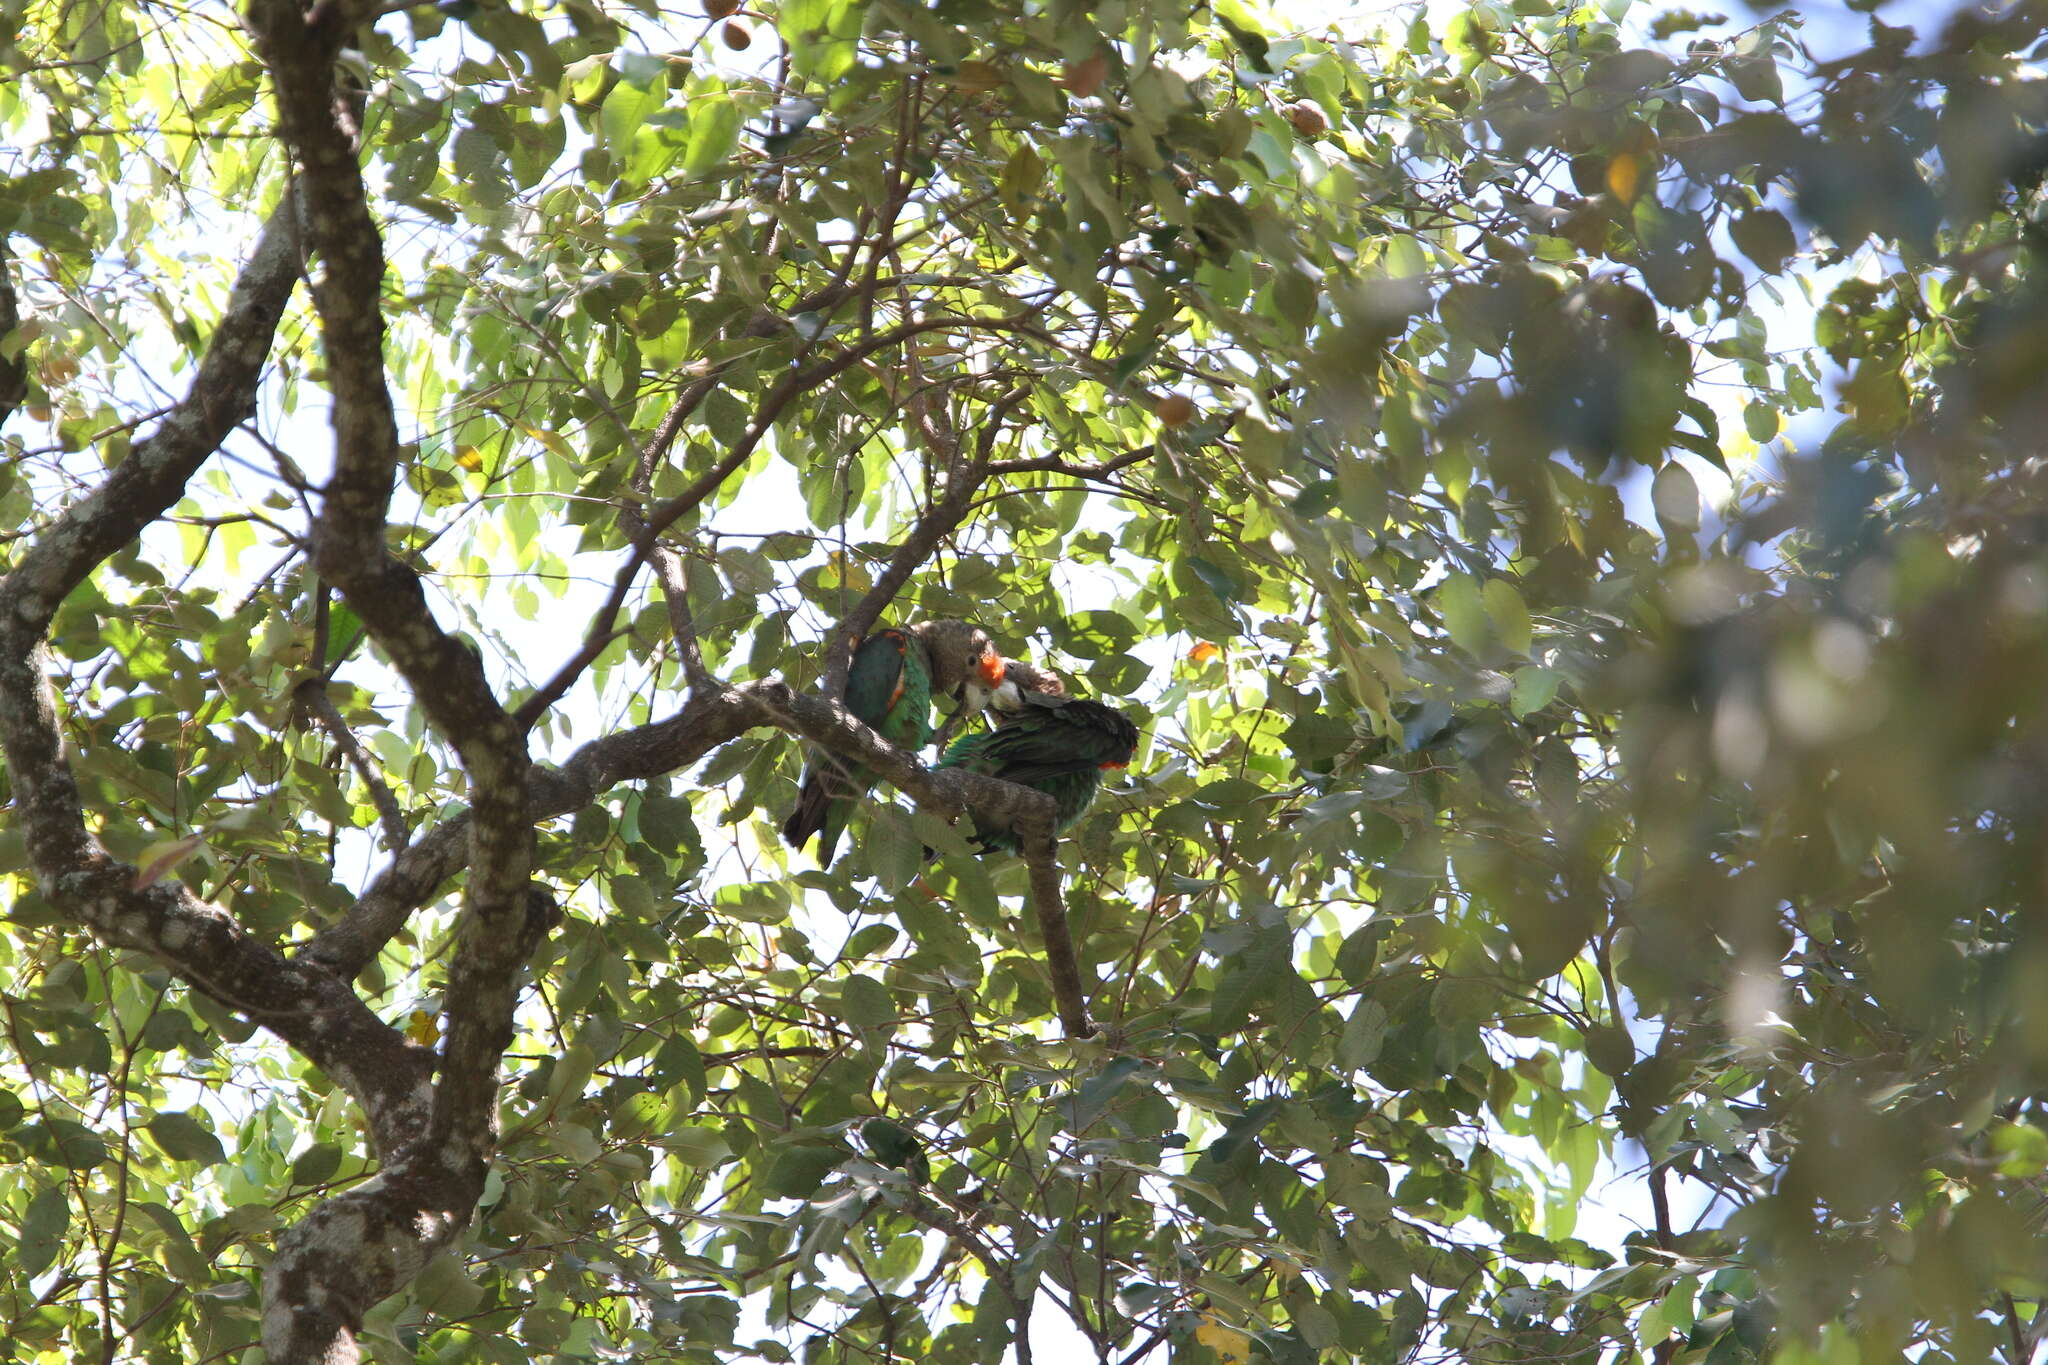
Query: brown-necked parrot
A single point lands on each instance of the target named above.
(889, 687)
(1047, 741)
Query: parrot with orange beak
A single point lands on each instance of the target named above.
(890, 684)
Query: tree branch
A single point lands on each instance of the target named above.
(709, 718)
(940, 521)
(354, 1250)
(714, 715)
(75, 872)
(312, 701)
(664, 515)
(764, 323)
(996, 1265)
(1055, 464)
(311, 1010)
(156, 471)
(1062, 966)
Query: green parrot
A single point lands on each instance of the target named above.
(889, 688)
(1047, 741)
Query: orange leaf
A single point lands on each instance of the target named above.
(1203, 652)
(1085, 77)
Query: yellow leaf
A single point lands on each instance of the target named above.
(975, 77)
(1624, 176)
(161, 858)
(422, 1027)
(1231, 1346)
(469, 457)
(553, 441)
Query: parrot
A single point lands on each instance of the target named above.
(889, 688)
(1049, 742)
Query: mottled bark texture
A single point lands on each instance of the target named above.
(354, 1250)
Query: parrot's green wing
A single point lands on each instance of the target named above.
(889, 690)
(1056, 745)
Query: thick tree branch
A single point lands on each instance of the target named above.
(709, 718)
(313, 1011)
(349, 549)
(349, 538)
(156, 471)
(75, 873)
(354, 1250)
(714, 715)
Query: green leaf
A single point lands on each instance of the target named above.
(317, 1164)
(1094, 1095)
(714, 132)
(695, 1145)
(1509, 614)
(1465, 616)
(798, 1169)
(42, 1231)
(1533, 689)
(1765, 237)
(867, 1003)
(1364, 1034)
(184, 1138)
(1213, 577)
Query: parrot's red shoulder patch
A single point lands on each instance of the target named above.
(896, 638)
(1125, 764)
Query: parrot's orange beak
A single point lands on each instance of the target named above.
(990, 669)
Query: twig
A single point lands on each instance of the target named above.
(666, 514)
(935, 525)
(310, 696)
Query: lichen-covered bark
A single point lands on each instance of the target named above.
(354, 1250)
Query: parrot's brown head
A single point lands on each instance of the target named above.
(965, 662)
(1021, 679)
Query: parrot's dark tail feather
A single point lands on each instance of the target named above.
(808, 818)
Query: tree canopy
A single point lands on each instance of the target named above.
(1556, 485)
